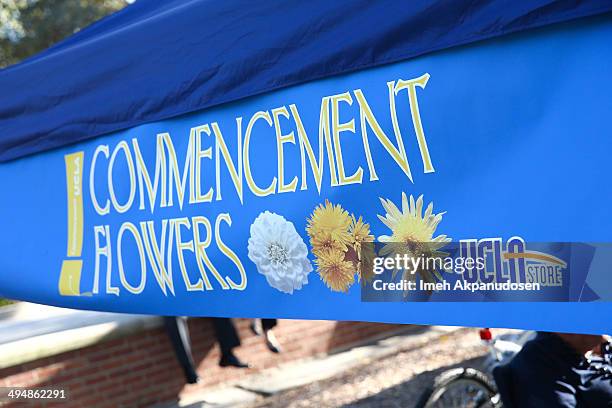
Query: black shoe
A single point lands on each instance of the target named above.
(193, 379)
(230, 360)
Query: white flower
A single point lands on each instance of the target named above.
(279, 252)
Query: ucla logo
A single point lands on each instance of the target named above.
(512, 262)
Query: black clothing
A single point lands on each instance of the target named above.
(226, 334)
(268, 324)
(547, 372)
(178, 332)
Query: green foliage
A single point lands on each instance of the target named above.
(5, 302)
(30, 26)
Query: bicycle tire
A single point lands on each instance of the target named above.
(449, 376)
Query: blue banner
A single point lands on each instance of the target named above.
(262, 207)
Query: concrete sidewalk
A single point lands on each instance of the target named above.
(30, 331)
(299, 373)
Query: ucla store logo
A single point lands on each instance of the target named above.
(515, 262)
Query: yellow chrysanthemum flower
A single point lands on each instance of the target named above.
(330, 220)
(337, 273)
(360, 231)
(337, 239)
(412, 232)
(323, 241)
(410, 225)
(365, 267)
(360, 234)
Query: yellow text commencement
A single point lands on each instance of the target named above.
(170, 179)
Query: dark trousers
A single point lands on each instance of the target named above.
(268, 324)
(226, 334)
(178, 332)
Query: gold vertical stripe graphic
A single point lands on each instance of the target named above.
(70, 278)
(74, 180)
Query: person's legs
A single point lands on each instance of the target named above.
(265, 326)
(268, 324)
(256, 327)
(228, 339)
(178, 332)
(271, 341)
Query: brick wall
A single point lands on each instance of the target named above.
(141, 369)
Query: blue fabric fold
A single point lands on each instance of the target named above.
(156, 60)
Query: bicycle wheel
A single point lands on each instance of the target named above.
(460, 388)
